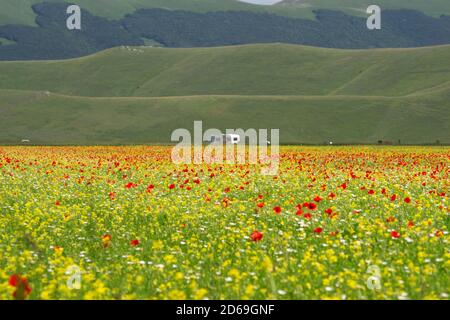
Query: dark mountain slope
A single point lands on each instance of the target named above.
(51, 39)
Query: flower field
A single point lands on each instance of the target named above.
(126, 223)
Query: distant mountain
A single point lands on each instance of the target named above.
(20, 11)
(50, 39)
(434, 8)
(134, 95)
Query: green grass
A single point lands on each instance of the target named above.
(20, 12)
(313, 95)
(54, 119)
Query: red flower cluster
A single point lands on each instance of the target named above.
(130, 185)
(22, 286)
(310, 205)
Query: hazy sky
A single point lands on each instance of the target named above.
(261, 1)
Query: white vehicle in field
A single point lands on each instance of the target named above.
(226, 139)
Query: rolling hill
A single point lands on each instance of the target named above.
(139, 95)
(272, 69)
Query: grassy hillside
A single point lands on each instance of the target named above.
(55, 119)
(239, 70)
(136, 95)
(20, 12)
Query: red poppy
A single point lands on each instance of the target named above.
(331, 195)
(318, 230)
(371, 191)
(277, 210)
(299, 212)
(171, 186)
(260, 204)
(317, 199)
(393, 197)
(256, 236)
(344, 186)
(130, 185)
(150, 188)
(395, 234)
(307, 215)
(407, 200)
(134, 242)
(14, 280)
(112, 195)
(57, 203)
(22, 286)
(329, 211)
(312, 206)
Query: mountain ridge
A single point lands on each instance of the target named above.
(19, 11)
(174, 28)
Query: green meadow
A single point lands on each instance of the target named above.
(139, 95)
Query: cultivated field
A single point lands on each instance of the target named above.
(126, 223)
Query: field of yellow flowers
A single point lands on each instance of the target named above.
(126, 223)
